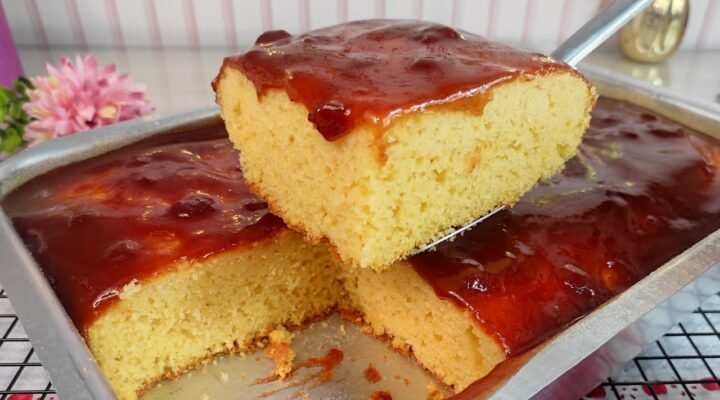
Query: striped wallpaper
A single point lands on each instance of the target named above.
(234, 24)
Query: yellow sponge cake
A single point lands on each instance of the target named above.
(163, 258)
(444, 338)
(608, 220)
(379, 136)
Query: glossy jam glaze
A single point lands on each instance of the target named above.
(641, 190)
(380, 395)
(97, 225)
(323, 371)
(372, 375)
(370, 71)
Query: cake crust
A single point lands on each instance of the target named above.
(376, 203)
(135, 211)
(379, 136)
(374, 71)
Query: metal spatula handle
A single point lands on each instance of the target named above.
(572, 51)
(598, 30)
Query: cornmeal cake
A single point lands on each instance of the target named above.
(641, 190)
(379, 136)
(163, 258)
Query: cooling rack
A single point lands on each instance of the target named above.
(683, 364)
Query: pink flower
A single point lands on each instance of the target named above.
(80, 96)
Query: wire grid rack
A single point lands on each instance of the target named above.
(22, 376)
(683, 364)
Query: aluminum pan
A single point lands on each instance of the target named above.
(56, 340)
(565, 367)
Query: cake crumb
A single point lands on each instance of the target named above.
(280, 352)
(402, 347)
(351, 315)
(130, 289)
(194, 276)
(433, 392)
(224, 377)
(341, 329)
(280, 335)
(205, 397)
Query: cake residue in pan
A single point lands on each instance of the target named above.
(380, 395)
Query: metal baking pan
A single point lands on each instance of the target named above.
(565, 367)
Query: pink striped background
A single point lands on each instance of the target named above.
(236, 23)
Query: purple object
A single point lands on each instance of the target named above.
(10, 67)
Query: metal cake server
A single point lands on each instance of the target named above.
(591, 35)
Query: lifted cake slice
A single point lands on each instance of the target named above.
(379, 136)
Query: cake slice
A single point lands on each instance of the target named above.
(445, 339)
(379, 136)
(164, 259)
(193, 311)
(522, 276)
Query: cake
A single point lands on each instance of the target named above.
(379, 136)
(641, 190)
(163, 258)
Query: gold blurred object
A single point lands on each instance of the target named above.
(656, 33)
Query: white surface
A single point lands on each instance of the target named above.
(179, 79)
(543, 23)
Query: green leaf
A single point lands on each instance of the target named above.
(18, 86)
(26, 82)
(22, 84)
(12, 141)
(15, 111)
(4, 96)
(9, 132)
(13, 118)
